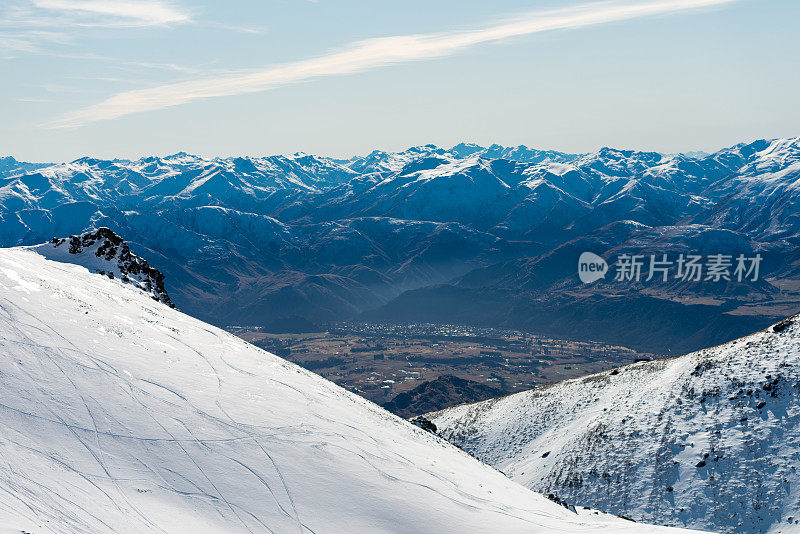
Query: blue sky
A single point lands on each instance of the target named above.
(119, 78)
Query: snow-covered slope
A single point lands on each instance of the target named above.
(707, 440)
(121, 414)
(11, 167)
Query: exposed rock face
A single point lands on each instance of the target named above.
(445, 391)
(424, 424)
(104, 252)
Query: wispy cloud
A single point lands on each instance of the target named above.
(33, 26)
(371, 54)
(17, 43)
(145, 12)
(45, 27)
(28, 41)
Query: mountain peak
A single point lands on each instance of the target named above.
(104, 252)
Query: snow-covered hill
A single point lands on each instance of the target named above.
(708, 440)
(121, 414)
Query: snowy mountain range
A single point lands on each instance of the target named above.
(708, 440)
(250, 239)
(122, 414)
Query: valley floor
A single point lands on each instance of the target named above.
(379, 362)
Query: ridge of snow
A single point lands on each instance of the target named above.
(708, 440)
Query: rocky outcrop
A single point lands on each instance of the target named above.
(104, 252)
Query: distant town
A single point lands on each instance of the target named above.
(380, 361)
